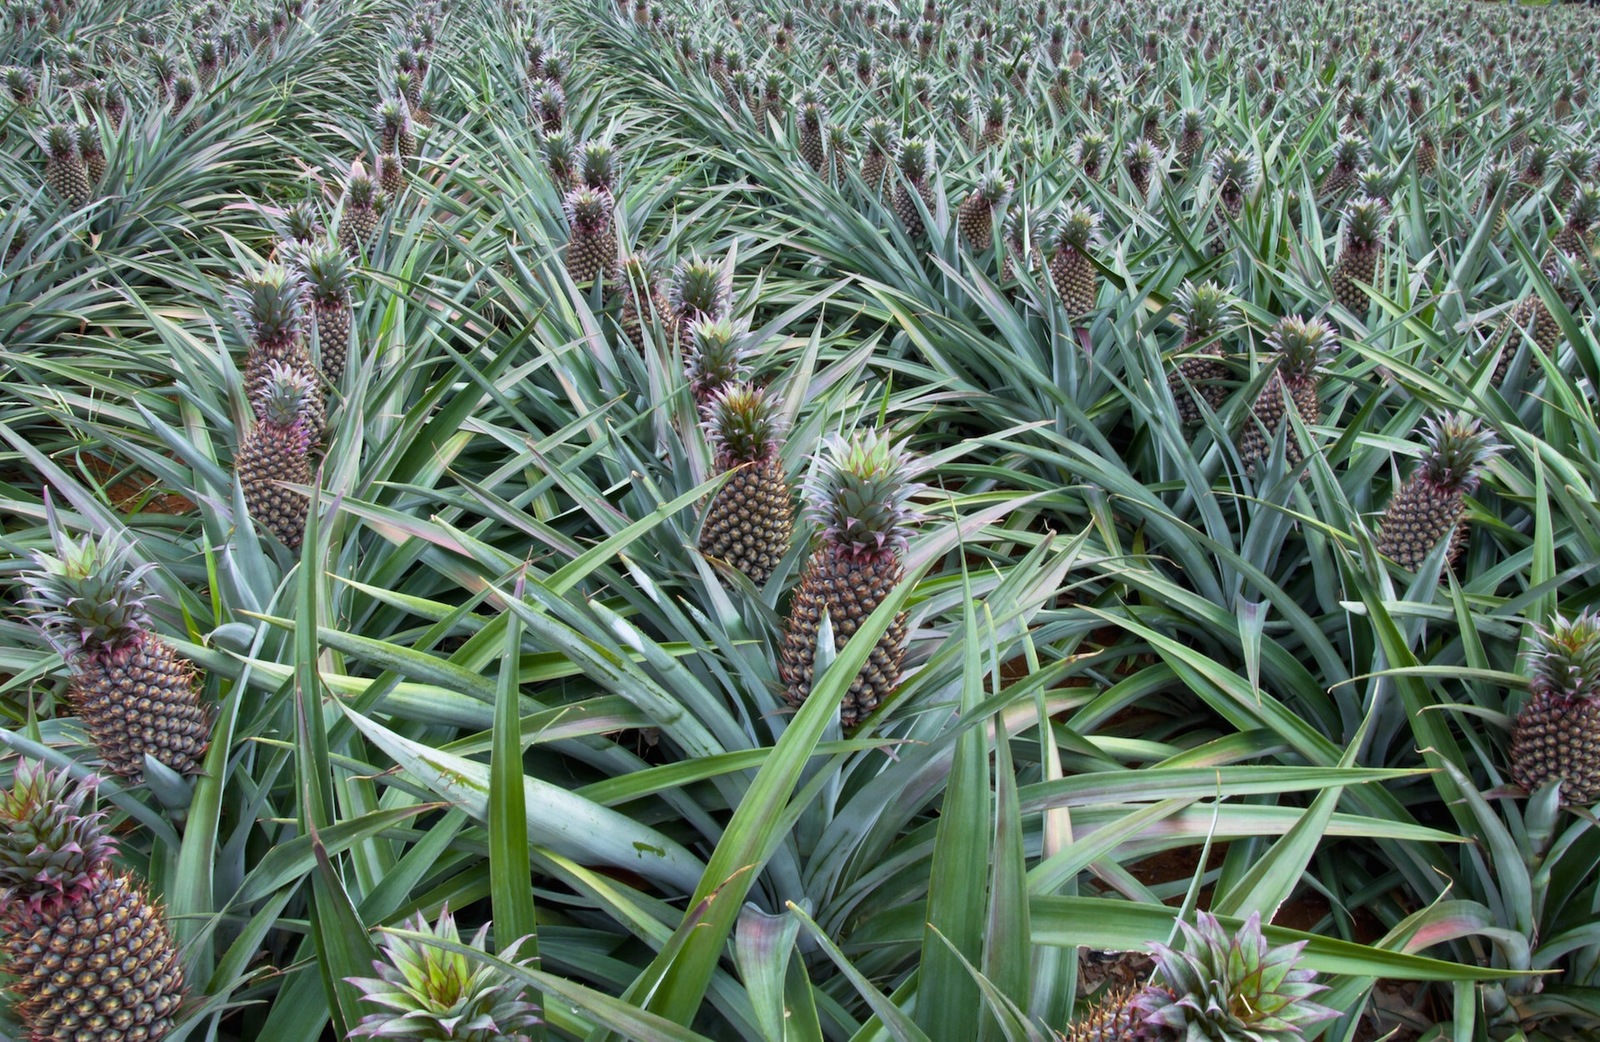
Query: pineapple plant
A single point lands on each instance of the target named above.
(327, 274)
(1428, 507)
(430, 993)
(1191, 137)
(1140, 159)
(714, 358)
(859, 495)
(358, 211)
(185, 93)
(591, 239)
(812, 116)
(88, 953)
(1202, 375)
(1349, 155)
(996, 111)
(64, 168)
(549, 105)
(1299, 347)
(883, 141)
(561, 159)
(597, 168)
(135, 695)
(1365, 219)
(700, 290)
(1576, 237)
(269, 308)
(93, 152)
(1074, 275)
(750, 521)
(1089, 154)
(396, 137)
(975, 216)
(277, 449)
(916, 171)
(1554, 737)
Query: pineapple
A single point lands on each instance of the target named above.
(1299, 347)
(21, 84)
(429, 993)
(134, 694)
(1349, 154)
(859, 496)
(641, 295)
(278, 449)
(64, 169)
(358, 211)
(94, 154)
(995, 114)
(1495, 180)
(715, 357)
(301, 223)
(591, 241)
(327, 275)
(812, 115)
(53, 850)
(1089, 154)
(839, 148)
(1576, 237)
(1428, 507)
(1202, 375)
(916, 169)
(883, 141)
(391, 176)
(700, 290)
(1556, 736)
(750, 521)
(1235, 173)
(1426, 154)
(1140, 159)
(268, 306)
(597, 168)
(962, 109)
(561, 159)
(1535, 168)
(1365, 218)
(1228, 986)
(395, 134)
(184, 99)
(1017, 234)
(1111, 1019)
(1191, 137)
(1075, 278)
(549, 105)
(975, 217)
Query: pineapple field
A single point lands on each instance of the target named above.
(834, 521)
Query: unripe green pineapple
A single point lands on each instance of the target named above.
(963, 111)
(1365, 220)
(549, 105)
(561, 159)
(860, 496)
(812, 117)
(1075, 278)
(1201, 376)
(975, 217)
(916, 171)
(1235, 172)
(1495, 180)
(301, 223)
(883, 141)
(327, 275)
(1349, 155)
(750, 521)
(1535, 168)
(134, 694)
(278, 449)
(839, 149)
(700, 290)
(429, 993)
(1429, 505)
(1426, 154)
(21, 84)
(597, 167)
(591, 240)
(358, 211)
(185, 98)
(1191, 138)
(1556, 736)
(714, 358)
(391, 176)
(64, 169)
(1299, 347)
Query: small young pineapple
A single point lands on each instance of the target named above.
(597, 167)
(549, 105)
(1228, 985)
(700, 290)
(278, 449)
(1429, 505)
(1089, 154)
(916, 171)
(132, 690)
(327, 275)
(1017, 244)
(391, 176)
(21, 84)
(750, 521)
(714, 358)
(592, 240)
(358, 211)
(1235, 173)
(1365, 220)
(64, 168)
(859, 495)
(963, 110)
(839, 148)
(1299, 347)
(561, 159)
(975, 217)
(883, 141)
(1556, 736)
(1075, 278)
(812, 117)
(429, 993)
(185, 98)
(1202, 374)
(1349, 155)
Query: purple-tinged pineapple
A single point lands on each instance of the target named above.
(976, 215)
(277, 449)
(1365, 221)
(327, 275)
(1074, 275)
(135, 695)
(700, 290)
(51, 849)
(64, 169)
(1428, 507)
(916, 172)
(750, 521)
(1202, 375)
(1556, 736)
(358, 211)
(591, 237)
(1299, 348)
(1140, 159)
(860, 496)
(1191, 138)
(714, 358)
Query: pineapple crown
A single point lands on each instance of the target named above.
(838, 138)
(85, 596)
(1235, 170)
(20, 83)
(61, 142)
(1141, 154)
(89, 140)
(597, 165)
(1349, 152)
(560, 150)
(1585, 208)
(994, 188)
(812, 114)
(715, 357)
(51, 849)
(302, 222)
(550, 97)
(1090, 150)
(743, 425)
(1576, 160)
(700, 289)
(882, 135)
(1564, 658)
(268, 304)
(184, 88)
(1536, 161)
(284, 395)
(961, 105)
(1364, 220)
(1204, 307)
(1229, 988)
(1300, 345)
(859, 493)
(433, 994)
(327, 271)
(1373, 181)
(1495, 178)
(1077, 227)
(392, 115)
(1457, 446)
(996, 109)
(810, 96)
(588, 210)
(916, 159)
(361, 190)
(1191, 121)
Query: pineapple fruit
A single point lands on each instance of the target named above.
(640, 296)
(1428, 507)
(326, 274)
(592, 240)
(714, 357)
(1365, 218)
(87, 951)
(278, 449)
(358, 211)
(750, 521)
(975, 217)
(1298, 348)
(859, 496)
(1202, 375)
(269, 308)
(1071, 271)
(883, 141)
(700, 290)
(916, 170)
(64, 169)
(812, 118)
(1556, 736)
(135, 695)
